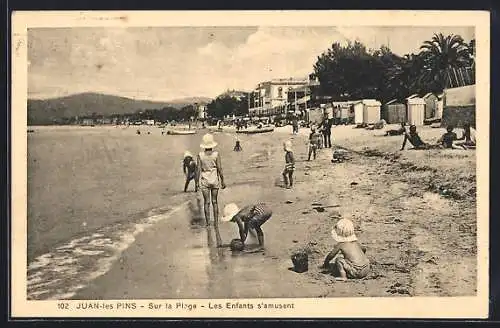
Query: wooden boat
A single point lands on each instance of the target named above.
(181, 132)
(223, 129)
(256, 130)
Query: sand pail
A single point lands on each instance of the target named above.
(300, 262)
(236, 245)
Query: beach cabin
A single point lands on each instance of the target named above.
(431, 102)
(366, 111)
(371, 111)
(358, 112)
(459, 106)
(416, 110)
(342, 113)
(394, 112)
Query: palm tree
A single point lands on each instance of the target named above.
(441, 54)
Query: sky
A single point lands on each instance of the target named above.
(166, 63)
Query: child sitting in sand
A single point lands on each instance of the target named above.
(351, 261)
(189, 168)
(249, 217)
(469, 136)
(289, 164)
(448, 139)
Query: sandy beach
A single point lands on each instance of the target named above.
(415, 211)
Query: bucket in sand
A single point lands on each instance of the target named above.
(236, 245)
(300, 262)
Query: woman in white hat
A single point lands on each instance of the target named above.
(210, 178)
(351, 261)
(249, 217)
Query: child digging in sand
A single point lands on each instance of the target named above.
(289, 164)
(351, 261)
(249, 217)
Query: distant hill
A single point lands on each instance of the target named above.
(44, 111)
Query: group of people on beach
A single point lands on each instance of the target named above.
(208, 176)
(207, 173)
(447, 141)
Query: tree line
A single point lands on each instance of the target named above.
(352, 71)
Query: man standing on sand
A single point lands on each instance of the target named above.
(327, 131)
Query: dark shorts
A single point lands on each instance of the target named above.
(352, 270)
(259, 220)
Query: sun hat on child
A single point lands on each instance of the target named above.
(187, 154)
(288, 145)
(208, 141)
(343, 231)
(230, 210)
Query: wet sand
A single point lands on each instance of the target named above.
(420, 239)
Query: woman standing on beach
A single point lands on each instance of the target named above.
(210, 178)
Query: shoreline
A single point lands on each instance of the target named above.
(418, 262)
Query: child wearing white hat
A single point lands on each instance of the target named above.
(249, 217)
(351, 261)
(189, 168)
(210, 178)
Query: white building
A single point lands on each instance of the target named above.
(202, 111)
(272, 97)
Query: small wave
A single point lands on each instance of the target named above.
(69, 267)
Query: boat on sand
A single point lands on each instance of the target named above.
(181, 132)
(256, 130)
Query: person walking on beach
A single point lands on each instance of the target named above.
(327, 132)
(249, 217)
(314, 141)
(351, 260)
(237, 146)
(295, 125)
(210, 178)
(289, 164)
(189, 168)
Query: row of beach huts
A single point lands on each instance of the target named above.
(413, 110)
(453, 106)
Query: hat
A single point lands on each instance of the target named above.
(208, 141)
(230, 210)
(287, 145)
(344, 231)
(187, 154)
